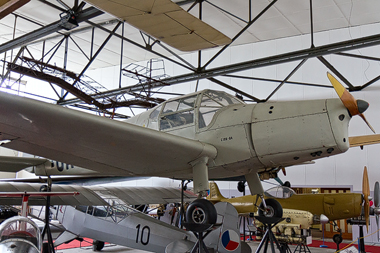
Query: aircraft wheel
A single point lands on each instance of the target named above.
(337, 238)
(201, 211)
(241, 186)
(44, 188)
(97, 245)
(274, 209)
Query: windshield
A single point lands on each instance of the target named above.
(211, 102)
(178, 112)
(181, 112)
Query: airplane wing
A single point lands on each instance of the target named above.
(165, 21)
(144, 195)
(15, 164)
(97, 143)
(96, 195)
(364, 140)
(8, 6)
(85, 198)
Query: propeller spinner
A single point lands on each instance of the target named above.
(354, 106)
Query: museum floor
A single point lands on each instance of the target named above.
(253, 244)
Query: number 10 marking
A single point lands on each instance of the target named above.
(143, 240)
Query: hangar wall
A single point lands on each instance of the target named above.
(343, 170)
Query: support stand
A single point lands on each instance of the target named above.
(361, 240)
(49, 246)
(269, 238)
(285, 247)
(323, 237)
(337, 238)
(200, 231)
(302, 248)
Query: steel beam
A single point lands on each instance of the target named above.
(278, 81)
(46, 30)
(258, 63)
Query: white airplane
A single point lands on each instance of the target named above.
(204, 135)
(104, 214)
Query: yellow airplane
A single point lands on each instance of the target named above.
(334, 206)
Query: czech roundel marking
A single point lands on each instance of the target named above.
(230, 240)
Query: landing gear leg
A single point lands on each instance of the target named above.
(200, 176)
(268, 207)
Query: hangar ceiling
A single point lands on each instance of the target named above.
(59, 41)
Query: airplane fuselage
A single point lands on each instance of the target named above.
(255, 137)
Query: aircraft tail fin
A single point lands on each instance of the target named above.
(215, 194)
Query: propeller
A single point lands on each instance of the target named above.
(365, 189)
(354, 106)
(377, 205)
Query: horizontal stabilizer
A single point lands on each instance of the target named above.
(15, 164)
(64, 237)
(179, 246)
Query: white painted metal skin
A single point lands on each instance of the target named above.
(136, 230)
(252, 138)
(140, 231)
(208, 132)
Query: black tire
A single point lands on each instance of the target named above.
(274, 209)
(241, 186)
(337, 238)
(287, 184)
(97, 245)
(44, 188)
(201, 211)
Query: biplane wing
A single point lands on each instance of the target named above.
(165, 21)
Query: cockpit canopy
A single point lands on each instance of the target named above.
(280, 192)
(196, 108)
(19, 227)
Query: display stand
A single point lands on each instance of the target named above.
(285, 247)
(48, 247)
(323, 245)
(269, 238)
(361, 240)
(302, 248)
(200, 231)
(360, 221)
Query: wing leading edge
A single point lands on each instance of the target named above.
(97, 143)
(364, 140)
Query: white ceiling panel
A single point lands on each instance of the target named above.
(286, 18)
